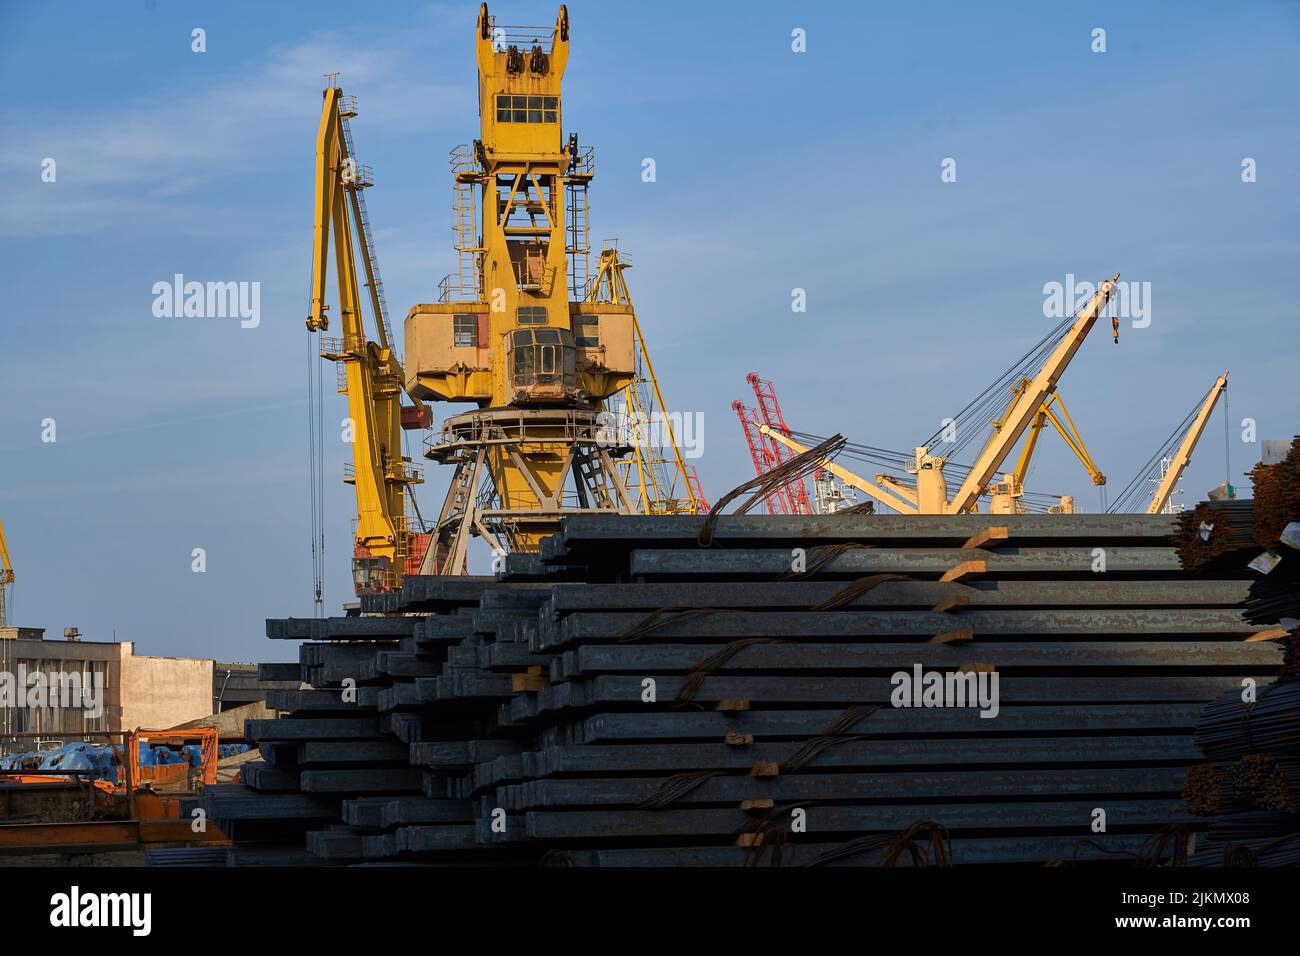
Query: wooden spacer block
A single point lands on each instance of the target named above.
(987, 536)
(762, 803)
(765, 768)
(952, 603)
(956, 634)
(732, 705)
(749, 839)
(976, 669)
(528, 683)
(1270, 635)
(963, 569)
(734, 739)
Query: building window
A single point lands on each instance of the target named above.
(465, 332)
(512, 108)
(532, 315)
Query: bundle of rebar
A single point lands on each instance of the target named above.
(1210, 790)
(1216, 535)
(1276, 597)
(1230, 728)
(1269, 782)
(1290, 658)
(1277, 493)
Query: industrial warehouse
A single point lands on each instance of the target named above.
(588, 647)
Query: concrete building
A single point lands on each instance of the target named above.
(89, 686)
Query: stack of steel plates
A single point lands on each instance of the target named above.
(825, 690)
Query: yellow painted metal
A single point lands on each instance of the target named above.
(1014, 482)
(930, 495)
(1183, 456)
(513, 330)
(876, 492)
(657, 479)
(1028, 402)
(372, 374)
(6, 575)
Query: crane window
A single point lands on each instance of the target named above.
(543, 357)
(465, 332)
(532, 315)
(512, 108)
(586, 328)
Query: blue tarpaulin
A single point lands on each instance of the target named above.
(99, 757)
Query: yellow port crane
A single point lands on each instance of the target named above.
(929, 493)
(6, 577)
(369, 371)
(1171, 460)
(515, 332)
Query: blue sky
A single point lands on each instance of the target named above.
(775, 170)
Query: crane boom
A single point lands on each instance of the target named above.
(1183, 456)
(371, 374)
(1026, 406)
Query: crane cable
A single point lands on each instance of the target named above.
(316, 469)
(984, 405)
(1126, 498)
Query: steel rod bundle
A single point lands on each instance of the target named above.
(1215, 535)
(1211, 789)
(1277, 489)
(1269, 782)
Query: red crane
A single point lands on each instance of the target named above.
(693, 479)
(792, 497)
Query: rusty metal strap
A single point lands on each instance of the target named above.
(676, 787)
(775, 837)
(895, 846)
(793, 470)
(835, 734)
(696, 675)
(664, 616)
(817, 558)
(856, 589)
